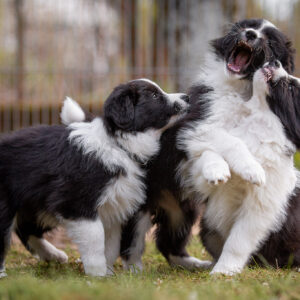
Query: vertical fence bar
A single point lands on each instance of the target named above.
(153, 39)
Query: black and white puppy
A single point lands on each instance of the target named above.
(259, 138)
(176, 176)
(88, 177)
(283, 247)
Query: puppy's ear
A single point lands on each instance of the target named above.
(290, 64)
(283, 50)
(119, 109)
(218, 46)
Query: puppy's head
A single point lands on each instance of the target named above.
(282, 93)
(140, 105)
(249, 44)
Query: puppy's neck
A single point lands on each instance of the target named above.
(215, 74)
(140, 145)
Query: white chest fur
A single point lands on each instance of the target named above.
(262, 132)
(124, 193)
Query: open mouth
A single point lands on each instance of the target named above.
(240, 58)
(268, 73)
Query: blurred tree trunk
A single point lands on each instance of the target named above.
(20, 24)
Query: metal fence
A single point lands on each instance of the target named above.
(83, 48)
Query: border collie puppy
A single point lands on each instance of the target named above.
(259, 139)
(176, 177)
(88, 177)
(283, 247)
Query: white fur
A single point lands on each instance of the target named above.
(267, 23)
(175, 97)
(189, 262)
(45, 250)
(125, 193)
(71, 112)
(141, 144)
(258, 33)
(89, 237)
(247, 139)
(172, 97)
(295, 78)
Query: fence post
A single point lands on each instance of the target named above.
(20, 23)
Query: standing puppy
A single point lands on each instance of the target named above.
(86, 177)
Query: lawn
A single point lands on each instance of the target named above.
(30, 279)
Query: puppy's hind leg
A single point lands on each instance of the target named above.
(88, 235)
(133, 240)
(6, 224)
(31, 235)
(174, 226)
(251, 227)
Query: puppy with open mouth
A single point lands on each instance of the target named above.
(225, 81)
(87, 177)
(240, 216)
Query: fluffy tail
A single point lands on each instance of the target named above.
(71, 112)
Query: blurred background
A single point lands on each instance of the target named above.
(83, 48)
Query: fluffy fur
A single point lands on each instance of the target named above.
(88, 177)
(199, 152)
(256, 149)
(71, 112)
(283, 247)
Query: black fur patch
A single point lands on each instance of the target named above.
(41, 171)
(282, 248)
(284, 101)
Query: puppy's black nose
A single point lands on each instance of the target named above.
(185, 98)
(251, 35)
(177, 107)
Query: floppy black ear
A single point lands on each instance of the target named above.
(283, 50)
(218, 46)
(119, 109)
(290, 64)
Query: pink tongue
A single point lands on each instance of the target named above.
(240, 60)
(234, 68)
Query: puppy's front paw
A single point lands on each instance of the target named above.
(195, 263)
(189, 262)
(61, 257)
(252, 172)
(110, 271)
(133, 267)
(225, 270)
(216, 172)
(95, 270)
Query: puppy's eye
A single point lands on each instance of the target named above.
(154, 95)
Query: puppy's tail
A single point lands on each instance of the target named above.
(71, 112)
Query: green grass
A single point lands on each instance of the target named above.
(29, 279)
